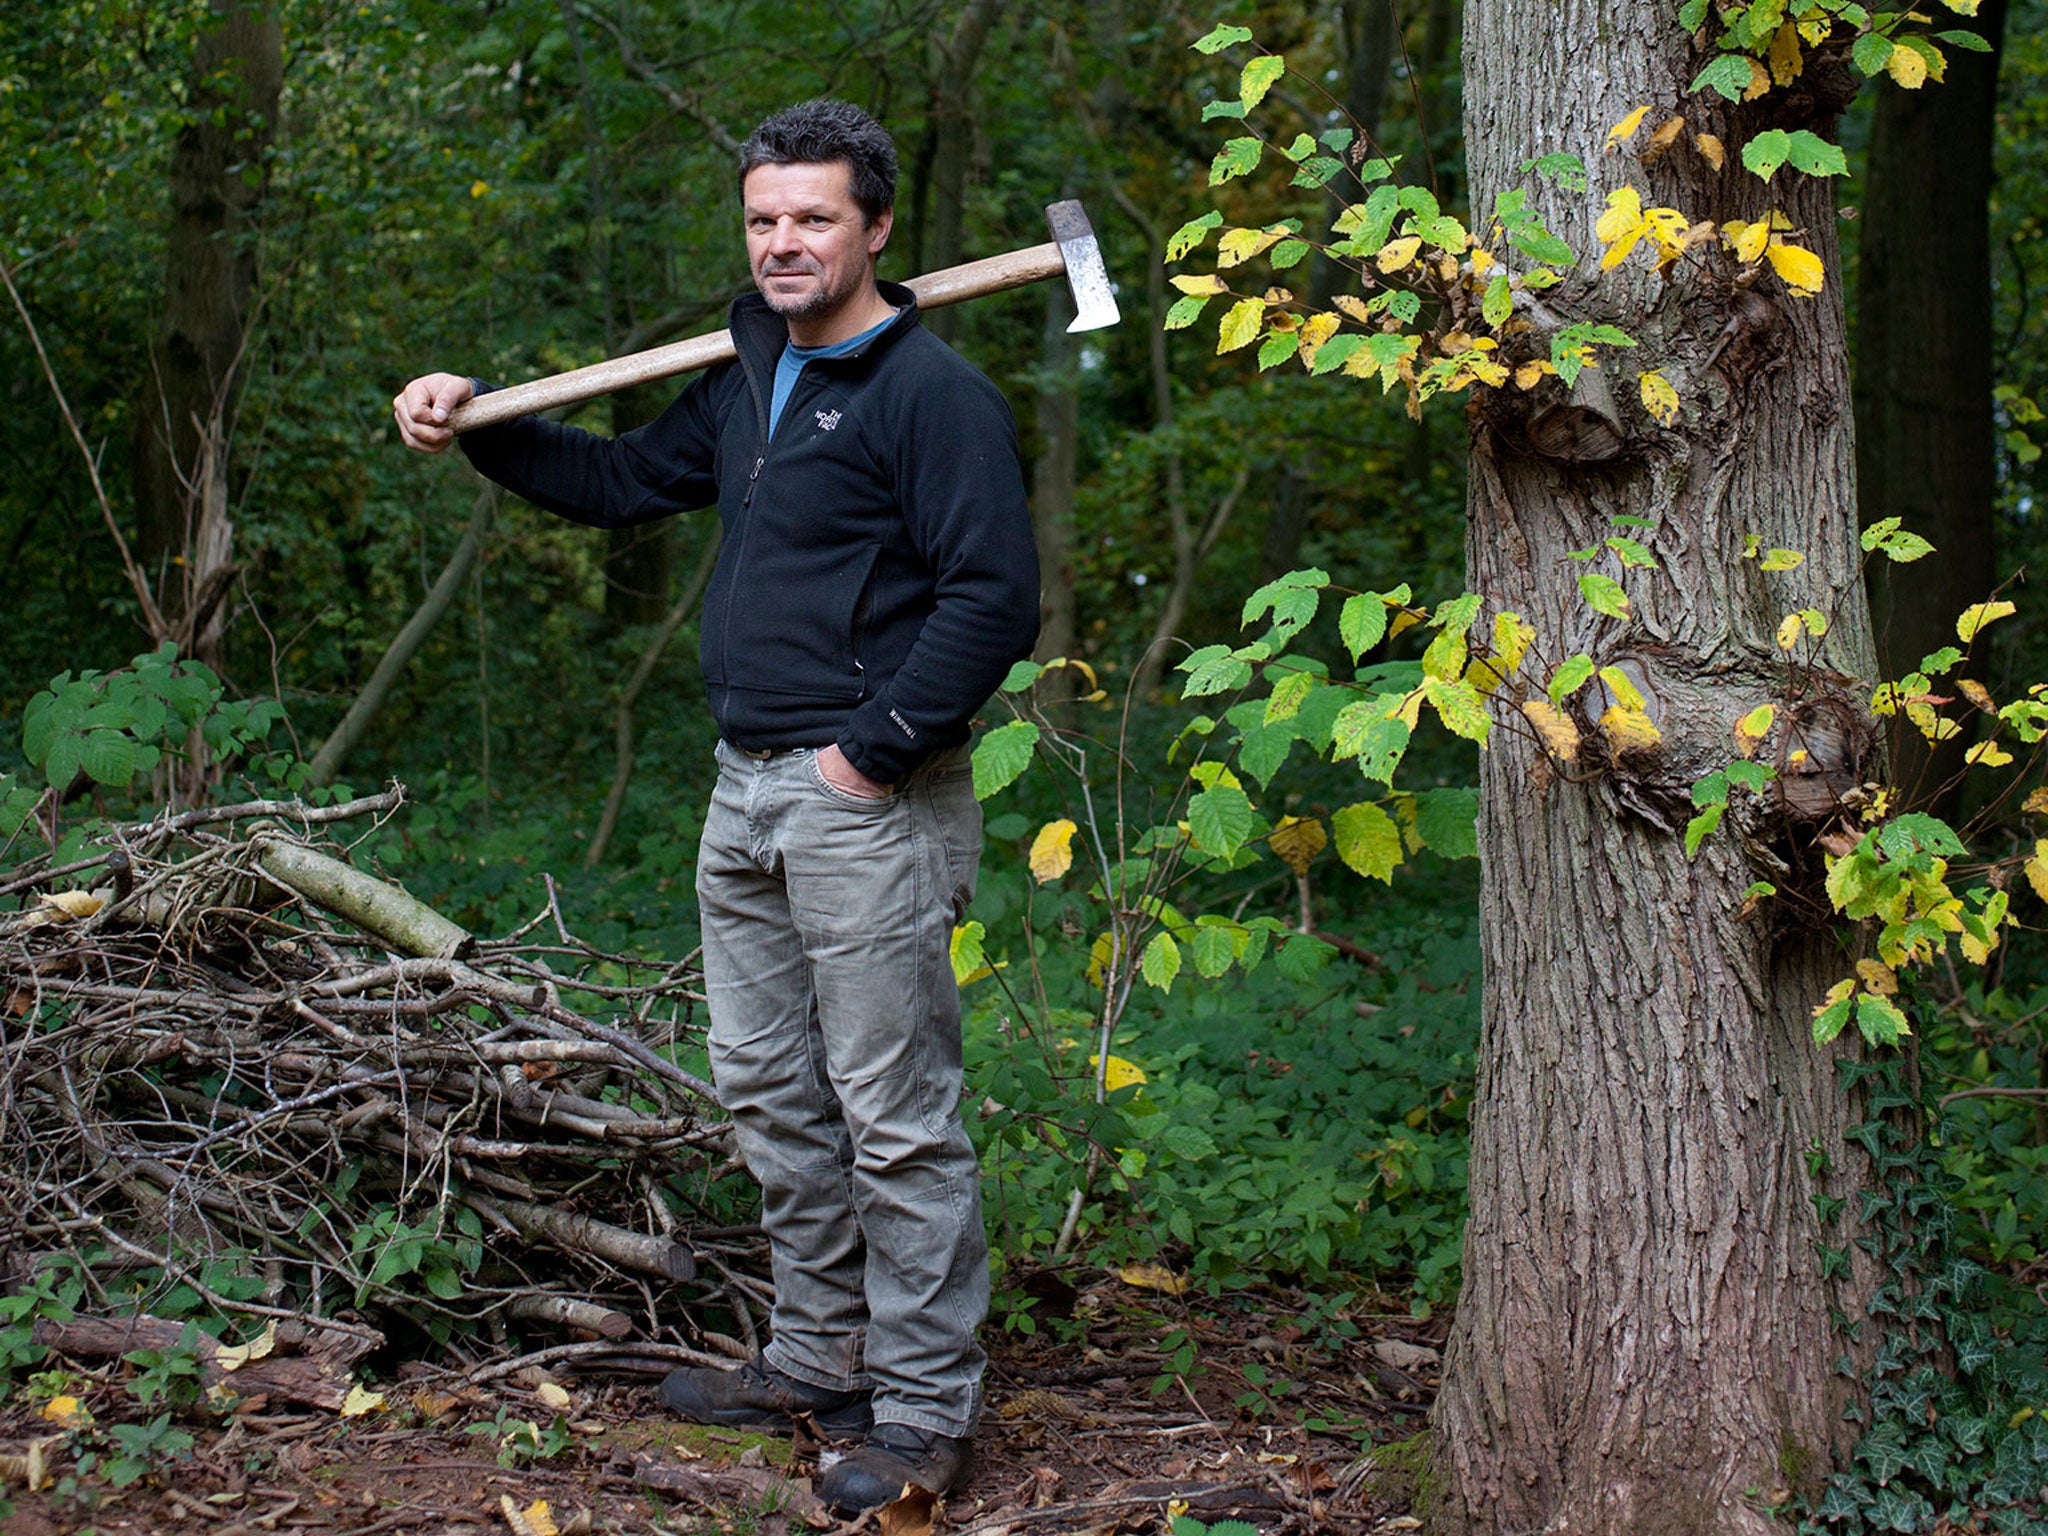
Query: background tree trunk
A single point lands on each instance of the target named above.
(1052, 477)
(951, 131)
(1925, 437)
(1643, 1342)
(185, 417)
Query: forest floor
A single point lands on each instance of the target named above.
(1268, 1424)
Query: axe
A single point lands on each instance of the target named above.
(1071, 250)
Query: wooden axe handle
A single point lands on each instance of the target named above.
(935, 290)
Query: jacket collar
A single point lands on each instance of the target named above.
(759, 334)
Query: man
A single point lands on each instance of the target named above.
(877, 578)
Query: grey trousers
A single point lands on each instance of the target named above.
(835, 1046)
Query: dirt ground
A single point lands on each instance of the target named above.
(1269, 1425)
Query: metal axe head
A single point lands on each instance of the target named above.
(1094, 300)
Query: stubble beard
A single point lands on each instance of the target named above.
(815, 305)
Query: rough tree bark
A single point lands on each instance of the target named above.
(1053, 473)
(1925, 437)
(1643, 1342)
(955, 60)
(185, 416)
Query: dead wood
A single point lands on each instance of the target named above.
(261, 1080)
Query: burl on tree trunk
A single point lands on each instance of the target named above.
(1644, 1339)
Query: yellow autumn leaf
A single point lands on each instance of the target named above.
(1666, 135)
(1788, 631)
(2036, 802)
(1748, 240)
(361, 1400)
(1977, 694)
(1052, 851)
(1100, 954)
(1759, 80)
(73, 904)
(1396, 254)
(1659, 398)
(236, 1356)
(1629, 730)
(1753, 728)
(1977, 615)
(1625, 130)
(1153, 1277)
(1486, 371)
(1531, 373)
(1907, 67)
(1237, 246)
(1878, 977)
(534, 1520)
(1710, 146)
(1240, 325)
(1201, 285)
(1482, 263)
(1989, 753)
(1802, 271)
(67, 1413)
(1354, 306)
(1560, 736)
(553, 1395)
(1621, 226)
(1316, 330)
(1667, 229)
(479, 188)
(1297, 840)
(1120, 1073)
(1786, 57)
(2037, 869)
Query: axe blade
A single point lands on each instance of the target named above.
(1087, 278)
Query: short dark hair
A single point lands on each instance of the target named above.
(820, 132)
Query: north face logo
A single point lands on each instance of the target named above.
(827, 420)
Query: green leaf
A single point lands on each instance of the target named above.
(1880, 1020)
(1185, 311)
(1729, 74)
(1213, 948)
(1604, 595)
(1232, 108)
(1368, 840)
(60, 767)
(1567, 171)
(1768, 150)
(1970, 42)
(1259, 76)
(1221, 819)
(1021, 676)
(1693, 15)
(1697, 829)
(1161, 962)
(1571, 675)
(1001, 757)
(1236, 158)
(109, 757)
(1499, 302)
(1447, 821)
(1816, 156)
(1317, 171)
(1287, 253)
(1362, 623)
(1191, 234)
(1632, 553)
(1460, 706)
(1222, 37)
(1376, 737)
(1543, 245)
(1871, 52)
(1829, 1021)
(1214, 669)
(1277, 348)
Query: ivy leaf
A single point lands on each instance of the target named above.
(1221, 38)
(1368, 840)
(1259, 77)
(1240, 325)
(1001, 757)
(1236, 158)
(1603, 594)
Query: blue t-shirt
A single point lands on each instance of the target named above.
(791, 365)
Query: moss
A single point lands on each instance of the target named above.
(708, 1441)
(1796, 1463)
(1401, 1473)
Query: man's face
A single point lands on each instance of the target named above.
(809, 250)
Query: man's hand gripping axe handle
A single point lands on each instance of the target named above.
(1072, 250)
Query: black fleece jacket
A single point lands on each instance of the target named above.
(878, 574)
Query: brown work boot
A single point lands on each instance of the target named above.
(757, 1396)
(895, 1457)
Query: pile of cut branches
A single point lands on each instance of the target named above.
(239, 1075)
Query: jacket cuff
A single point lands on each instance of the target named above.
(885, 761)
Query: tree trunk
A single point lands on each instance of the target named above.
(952, 146)
(1643, 1342)
(1925, 437)
(1052, 479)
(185, 417)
